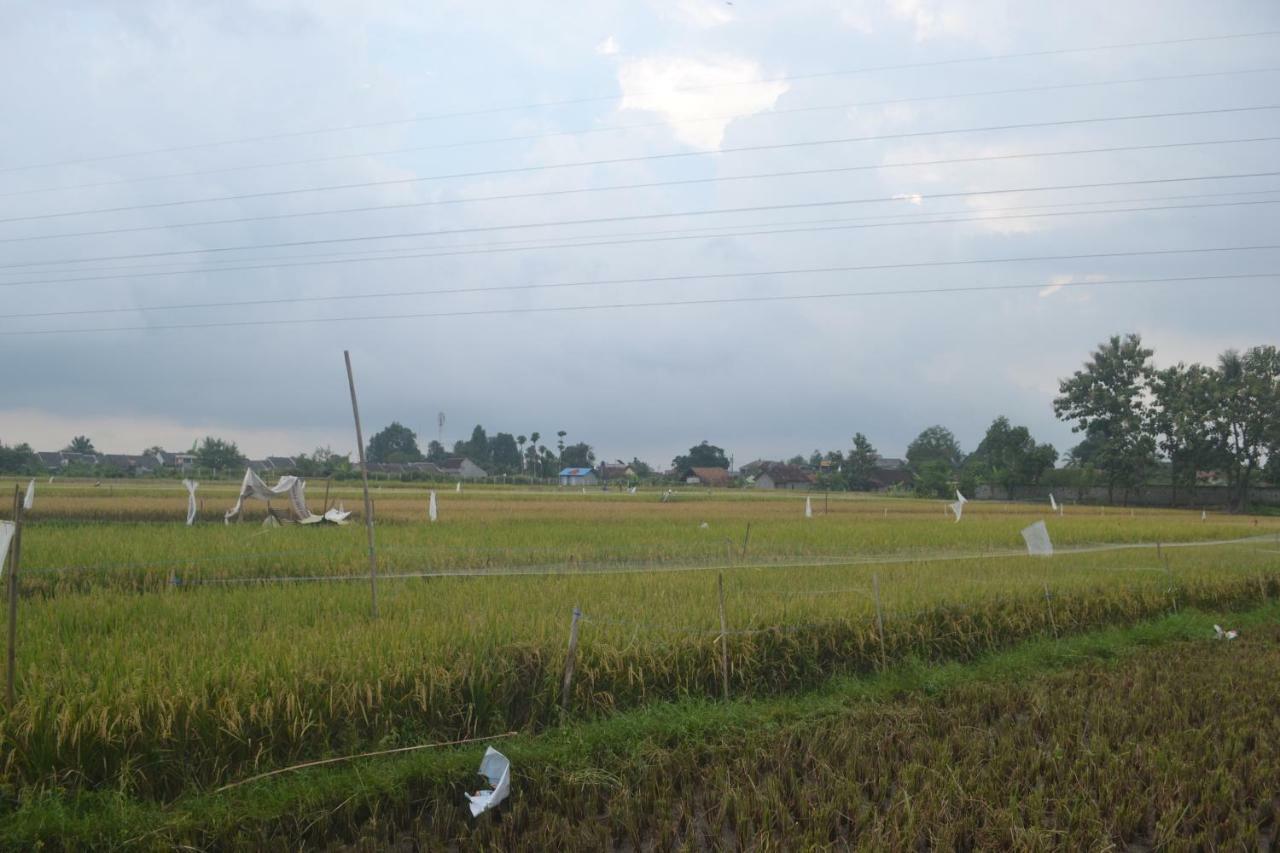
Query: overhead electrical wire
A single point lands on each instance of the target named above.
(623, 305)
(773, 113)
(807, 229)
(776, 146)
(608, 98)
(920, 216)
(636, 217)
(625, 187)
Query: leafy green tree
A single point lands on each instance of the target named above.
(860, 465)
(504, 453)
(218, 455)
(1107, 400)
(394, 443)
(18, 459)
(642, 469)
(1244, 418)
(1182, 406)
(935, 444)
(934, 478)
(702, 455)
(436, 451)
(578, 455)
(1009, 456)
(80, 444)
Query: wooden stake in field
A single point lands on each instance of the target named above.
(1048, 600)
(724, 637)
(364, 478)
(15, 554)
(875, 592)
(746, 540)
(569, 662)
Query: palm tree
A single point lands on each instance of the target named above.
(520, 440)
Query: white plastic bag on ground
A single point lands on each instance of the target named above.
(1037, 538)
(958, 509)
(29, 500)
(6, 533)
(191, 485)
(431, 506)
(497, 769)
(808, 508)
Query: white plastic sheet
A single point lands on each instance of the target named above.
(958, 508)
(1037, 538)
(1224, 635)
(1053, 504)
(808, 508)
(6, 533)
(431, 506)
(961, 499)
(29, 499)
(459, 489)
(496, 768)
(191, 485)
(631, 490)
(289, 487)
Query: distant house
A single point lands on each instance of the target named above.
(128, 464)
(578, 477)
(461, 468)
(615, 473)
(752, 469)
(430, 469)
(280, 464)
(181, 461)
(85, 459)
(781, 476)
(889, 473)
(706, 476)
(51, 460)
(260, 466)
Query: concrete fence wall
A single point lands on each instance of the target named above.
(1197, 497)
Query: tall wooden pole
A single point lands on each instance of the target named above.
(364, 477)
(15, 552)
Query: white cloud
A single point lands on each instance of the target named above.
(914, 198)
(608, 47)
(698, 98)
(1058, 282)
(699, 14)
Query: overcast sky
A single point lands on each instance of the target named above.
(115, 104)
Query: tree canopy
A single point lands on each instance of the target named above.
(394, 443)
(1009, 456)
(217, 454)
(702, 455)
(937, 444)
(860, 464)
(80, 444)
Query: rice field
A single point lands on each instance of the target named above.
(156, 659)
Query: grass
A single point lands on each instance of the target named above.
(130, 684)
(1087, 742)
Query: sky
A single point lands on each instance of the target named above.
(427, 185)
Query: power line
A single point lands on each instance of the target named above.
(620, 187)
(677, 236)
(403, 293)
(638, 126)
(637, 217)
(630, 305)
(534, 243)
(602, 98)
(776, 146)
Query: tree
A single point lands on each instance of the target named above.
(394, 443)
(935, 444)
(642, 469)
(860, 465)
(1245, 414)
(1181, 411)
(520, 442)
(80, 444)
(1009, 456)
(934, 478)
(578, 455)
(218, 455)
(560, 445)
(18, 459)
(1107, 400)
(531, 456)
(436, 451)
(702, 455)
(504, 454)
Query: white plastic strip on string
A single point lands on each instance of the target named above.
(6, 533)
(191, 486)
(1037, 538)
(29, 500)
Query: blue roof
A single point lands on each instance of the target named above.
(577, 472)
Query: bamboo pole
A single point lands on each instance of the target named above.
(724, 637)
(364, 479)
(570, 662)
(875, 591)
(1048, 600)
(15, 554)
